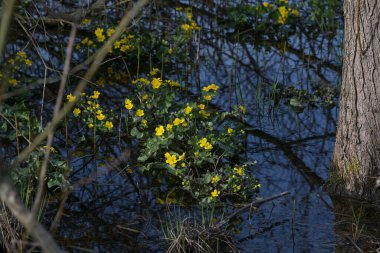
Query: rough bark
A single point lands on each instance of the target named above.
(356, 159)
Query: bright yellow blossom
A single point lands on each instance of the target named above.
(203, 143)
(207, 97)
(239, 171)
(96, 94)
(160, 130)
(110, 31)
(178, 121)
(90, 125)
(230, 131)
(156, 83)
(139, 113)
(215, 179)
(99, 34)
(186, 27)
(188, 109)
(201, 106)
(212, 86)
(100, 116)
(108, 125)
(128, 104)
(284, 13)
(215, 193)
(76, 112)
(171, 159)
(169, 127)
(70, 97)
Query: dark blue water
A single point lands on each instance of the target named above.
(118, 212)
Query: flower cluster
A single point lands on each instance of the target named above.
(167, 125)
(90, 111)
(15, 65)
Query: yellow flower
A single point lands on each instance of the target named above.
(70, 97)
(156, 83)
(204, 113)
(183, 165)
(154, 71)
(201, 106)
(85, 21)
(90, 125)
(169, 127)
(76, 112)
(212, 86)
(28, 62)
(110, 31)
(108, 125)
(99, 34)
(284, 13)
(188, 109)
(242, 109)
(239, 171)
(295, 13)
(267, 5)
(215, 179)
(96, 94)
(125, 48)
(203, 143)
(144, 97)
(178, 121)
(144, 122)
(215, 193)
(52, 149)
(186, 27)
(170, 51)
(160, 130)
(21, 54)
(128, 104)
(100, 116)
(171, 159)
(230, 131)
(140, 113)
(207, 97)
(181, 157)
(13, 81)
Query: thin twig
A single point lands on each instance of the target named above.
(255, 203)
(41, 183)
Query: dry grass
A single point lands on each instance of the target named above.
(10, 230)
(189, 236)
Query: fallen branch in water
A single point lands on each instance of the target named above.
(255, 203)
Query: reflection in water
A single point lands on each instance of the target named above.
(117, 212)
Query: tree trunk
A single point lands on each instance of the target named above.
(356, 159)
